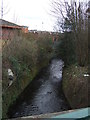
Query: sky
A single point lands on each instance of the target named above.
(32, 13)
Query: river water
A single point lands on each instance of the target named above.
(44, 94)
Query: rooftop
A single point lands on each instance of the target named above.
(4, 23)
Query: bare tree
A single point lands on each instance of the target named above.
(72, 16)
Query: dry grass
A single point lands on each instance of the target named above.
(24, 53)
(75, 86)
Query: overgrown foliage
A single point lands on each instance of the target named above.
(75, 86)
(24, 53)
(66, 49)
(73, 17)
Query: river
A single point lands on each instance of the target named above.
(44, 94)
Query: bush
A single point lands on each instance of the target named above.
(26, 52)
(66, 49)
(26, 55)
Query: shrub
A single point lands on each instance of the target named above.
(26, 52)
(66, 49)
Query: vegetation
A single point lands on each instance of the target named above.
(75, 86)
(26, 55)
(75, 21)
(66, 49)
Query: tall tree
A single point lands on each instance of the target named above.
(74, 19)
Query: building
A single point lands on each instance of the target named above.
(9, 29)
(25, 29)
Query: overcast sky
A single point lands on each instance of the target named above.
(32, 13)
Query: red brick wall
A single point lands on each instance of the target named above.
(9, 33)
(25, 30)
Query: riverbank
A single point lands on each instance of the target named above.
(43, 95)
(25, 55)
(75, 86)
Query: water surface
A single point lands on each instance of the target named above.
(44, 94)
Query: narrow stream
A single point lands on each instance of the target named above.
(44, 94)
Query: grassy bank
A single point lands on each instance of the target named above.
(26, 55)
(75, 86)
